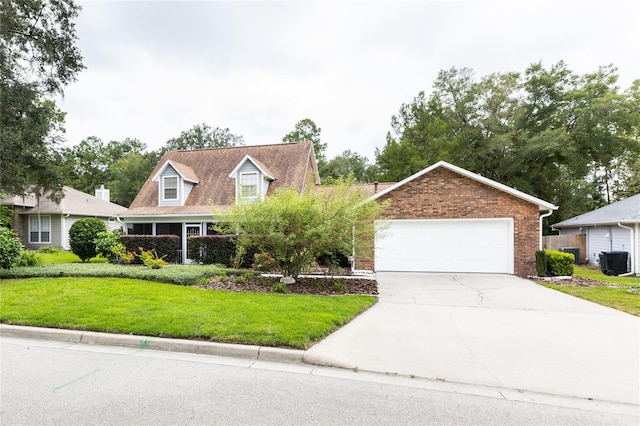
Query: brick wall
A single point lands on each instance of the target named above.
(443, 194)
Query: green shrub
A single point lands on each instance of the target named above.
(560, 263)
(280, 288)
(150, 259)
(541, 263)
(82, 237)
(10, 248)
(29, 258)
(554, 263)
(165, 246)
(107, 244)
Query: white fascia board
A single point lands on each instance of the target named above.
(174, 167)
(542, 205)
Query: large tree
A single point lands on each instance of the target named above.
(347, 165)
(567, 138)
(306, 130)
(38, 58)
(202, 136)
(123, 166)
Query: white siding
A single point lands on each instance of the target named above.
(249, 167)
(170, 171)
(606, 238)
(571, 231)
(188, 186)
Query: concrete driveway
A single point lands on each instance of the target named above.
(492, 330)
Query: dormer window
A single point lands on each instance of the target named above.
(252, 180)
(170, 186)
(248, 186)
(175, 182)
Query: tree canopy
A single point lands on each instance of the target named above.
(306, 130)
(202, 136)
(123, 166)
(38, 57)
(567, 138)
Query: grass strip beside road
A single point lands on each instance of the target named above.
(131, 306)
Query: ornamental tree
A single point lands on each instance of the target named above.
(295, 229)
(83, 235)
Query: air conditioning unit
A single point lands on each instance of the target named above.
(575, 251)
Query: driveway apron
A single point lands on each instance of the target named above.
(491, 330)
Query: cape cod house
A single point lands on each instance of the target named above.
(186, 187)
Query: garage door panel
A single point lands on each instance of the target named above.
(457, 245)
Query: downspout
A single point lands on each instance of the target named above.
(124, 228)
(547, 214)
(633, 251)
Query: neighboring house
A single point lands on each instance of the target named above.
(187, 187)
(447, 219)
(40, 222)
(615, 227)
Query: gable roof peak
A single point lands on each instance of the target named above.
(186, 172)
(263, 169)
(542, 205)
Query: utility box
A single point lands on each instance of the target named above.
(614, 262)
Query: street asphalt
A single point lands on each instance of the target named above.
(494, 335)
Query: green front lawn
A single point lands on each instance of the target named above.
(623, 294)
(119, 305)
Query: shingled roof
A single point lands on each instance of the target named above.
(76, 203)
(291, 164)
(623, 211)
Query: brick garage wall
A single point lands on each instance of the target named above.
(443, 194)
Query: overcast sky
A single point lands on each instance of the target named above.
(155, 69)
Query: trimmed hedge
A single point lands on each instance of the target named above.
(553, 263)
(217, 249)
(164, 245)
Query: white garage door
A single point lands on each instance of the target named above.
(445, 245)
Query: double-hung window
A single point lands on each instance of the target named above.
(39, 229)
(249, 187)
(170, 188)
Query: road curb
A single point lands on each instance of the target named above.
(258, 353)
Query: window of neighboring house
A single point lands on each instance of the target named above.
(170, 187)
(39, 229)
(248, 186)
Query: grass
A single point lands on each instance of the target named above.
(52, 256)
(624, 297)
(120, 305)
(594, 273)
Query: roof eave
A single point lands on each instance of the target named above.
(542, 205)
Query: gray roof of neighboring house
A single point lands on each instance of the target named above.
(77, 203)
(623, 211)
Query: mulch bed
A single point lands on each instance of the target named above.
(321, 285)
(586, 282)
